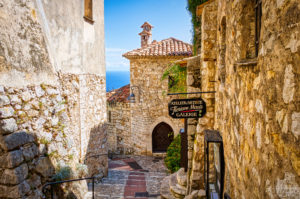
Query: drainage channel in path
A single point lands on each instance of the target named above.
(131, 177)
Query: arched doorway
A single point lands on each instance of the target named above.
(162, 136)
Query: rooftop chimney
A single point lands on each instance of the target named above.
(146, 35)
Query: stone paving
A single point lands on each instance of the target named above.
(132, 177)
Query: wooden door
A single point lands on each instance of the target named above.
(162, 136)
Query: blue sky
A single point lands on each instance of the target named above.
(123, 19)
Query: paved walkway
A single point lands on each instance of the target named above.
(132, 177)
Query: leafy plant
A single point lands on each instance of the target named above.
(196, 21)
(177, 78)
(63, 173)
(172, 159)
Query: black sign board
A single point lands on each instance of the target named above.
(187, 108)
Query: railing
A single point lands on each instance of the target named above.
(66, 181)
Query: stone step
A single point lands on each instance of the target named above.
(182, 177)
(177, 190)
(165, 189)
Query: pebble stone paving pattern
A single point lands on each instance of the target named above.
(132, 177)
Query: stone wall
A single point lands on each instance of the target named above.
(69, 129)
(151, 106)
(119, 126)
(52, 81)
(22, 169)
(256, 105)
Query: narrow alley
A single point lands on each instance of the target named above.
(132, 177)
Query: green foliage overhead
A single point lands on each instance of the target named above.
(177, 78)
(196, 21)
(172, 159)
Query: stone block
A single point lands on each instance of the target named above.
(4, 100)
(34, 181)
(8, 126)
(14, 99)
(44, 167)
(11, 159)
(39, 91)
(15, 140)
(29, 152)
(26, 96)
(296, 124)
(6, 112)
(14, 192)
(14, 176)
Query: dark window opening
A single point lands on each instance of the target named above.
(258, 14)
(109, 116)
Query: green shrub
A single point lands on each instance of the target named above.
(63, 173)
(172, 159)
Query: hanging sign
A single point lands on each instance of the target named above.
(187, 108)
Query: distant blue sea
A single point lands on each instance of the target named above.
(116, 79)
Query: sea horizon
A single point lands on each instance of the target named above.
(116, 79)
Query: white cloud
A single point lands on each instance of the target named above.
(115, 61)
(115, 50)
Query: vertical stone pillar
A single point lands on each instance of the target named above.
(206, 69)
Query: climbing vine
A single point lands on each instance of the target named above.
(176, 75)
(196, 21)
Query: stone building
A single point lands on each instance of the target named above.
(250, 55)
(119, 121)
(52, 86)
(149, 128)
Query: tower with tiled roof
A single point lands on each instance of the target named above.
(146, 34)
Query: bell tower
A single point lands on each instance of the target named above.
(146, 35)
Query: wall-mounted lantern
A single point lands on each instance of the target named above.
(214, 164)
(131, 98)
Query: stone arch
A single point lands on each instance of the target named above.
(155, 123)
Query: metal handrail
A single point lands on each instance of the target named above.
(65, 181)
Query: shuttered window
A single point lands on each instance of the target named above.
(88, 10)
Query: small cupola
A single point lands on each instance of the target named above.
(146, 35)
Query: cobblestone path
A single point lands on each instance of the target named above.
(132, 177)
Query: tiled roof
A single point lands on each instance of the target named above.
(166, 47)
(119, 95)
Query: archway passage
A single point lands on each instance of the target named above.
(162, 136)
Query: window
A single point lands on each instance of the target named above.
(258, 14)
(88, 11)
(109, 116)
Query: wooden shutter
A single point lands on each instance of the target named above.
(88, 10)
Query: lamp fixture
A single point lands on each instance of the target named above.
(131, 98)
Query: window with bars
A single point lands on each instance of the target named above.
(258, 14)
(88, 11)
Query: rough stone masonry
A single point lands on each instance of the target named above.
(256, 107)
(52, 86)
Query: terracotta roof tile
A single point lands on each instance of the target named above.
(166, 47)
(119, 95)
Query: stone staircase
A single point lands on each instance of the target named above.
(174, 186)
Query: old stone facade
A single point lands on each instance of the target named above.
(52, 81)
(133, 125)
(119, 121)
(150, 109)
(256, 104)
